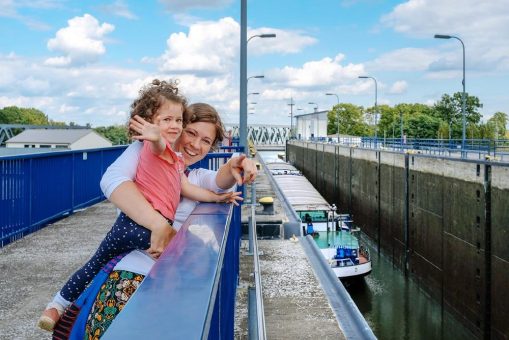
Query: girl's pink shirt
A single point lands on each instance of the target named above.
(159, 181)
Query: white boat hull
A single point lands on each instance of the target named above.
(342, 268)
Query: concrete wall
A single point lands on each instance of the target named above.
(445, 222)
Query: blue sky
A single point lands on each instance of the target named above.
(84, 61)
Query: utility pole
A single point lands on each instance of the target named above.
(291, 116)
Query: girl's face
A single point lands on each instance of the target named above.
(169, 119)
(196, 141)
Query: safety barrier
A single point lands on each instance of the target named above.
(36, 189)
(190, 291)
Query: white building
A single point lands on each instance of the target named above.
(311, 125)
(72, 139)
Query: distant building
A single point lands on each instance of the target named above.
(71, 139)
(311, 125)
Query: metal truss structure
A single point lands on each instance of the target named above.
(262, 134)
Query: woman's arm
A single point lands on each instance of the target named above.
(122, 169)
(117, 185)
(128, 198)
(238, 169)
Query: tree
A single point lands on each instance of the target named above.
(117, 134)
(499, 123)
(351, 120)
(18, 115)
(449, 109)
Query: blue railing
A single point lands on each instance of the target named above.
(36, 189)
(190, 291)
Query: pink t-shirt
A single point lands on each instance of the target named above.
(159, 181)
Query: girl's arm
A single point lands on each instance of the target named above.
(238, 169)
(197, 193)
(117, 185)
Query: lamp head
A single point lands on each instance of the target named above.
(442, 36)
(268, 35)
(363, 77)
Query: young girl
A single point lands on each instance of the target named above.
(157, 119)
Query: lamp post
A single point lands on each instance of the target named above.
(243, 72)
(316, 105)
(316, 110)
(337, 97)
(463, 95)
(291, 116)
(267, 35)
(376, 105)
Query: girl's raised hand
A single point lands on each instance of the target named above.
(145, 130)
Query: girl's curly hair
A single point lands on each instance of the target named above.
(151, 97)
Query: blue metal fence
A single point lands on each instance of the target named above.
(190, 292)
(38, 188)
(197, 273)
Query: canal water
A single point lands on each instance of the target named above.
(395, 307)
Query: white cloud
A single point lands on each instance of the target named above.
(181, 6)
(285, 42)
(404, 60)
(210, 48)
(119, 8)
(81, 42)
(482, 25)
(398, 87)
(10, 9)
(320, 73)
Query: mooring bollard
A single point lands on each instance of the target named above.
(267, 204)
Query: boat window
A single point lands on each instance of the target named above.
(316, 215)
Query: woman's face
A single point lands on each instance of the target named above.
(196, 141)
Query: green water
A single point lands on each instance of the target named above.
(397, 308)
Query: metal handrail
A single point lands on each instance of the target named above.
(260, 314)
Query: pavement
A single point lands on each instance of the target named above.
(35, 267)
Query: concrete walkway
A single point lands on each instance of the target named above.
(35, 267)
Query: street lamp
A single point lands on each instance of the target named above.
(463, 95)
(337, 97)
(258, 77)
(376, 105)
(253, 93)
(268, 35)
(291, 116)
(316, 107)
(243, 71)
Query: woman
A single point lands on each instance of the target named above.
(200, 135)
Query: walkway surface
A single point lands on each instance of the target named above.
(35, 267)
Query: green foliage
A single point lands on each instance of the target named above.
(449, 109)
(17, 115)
(351, 120)
(498, 123)
(117, 134)
(441, 120)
